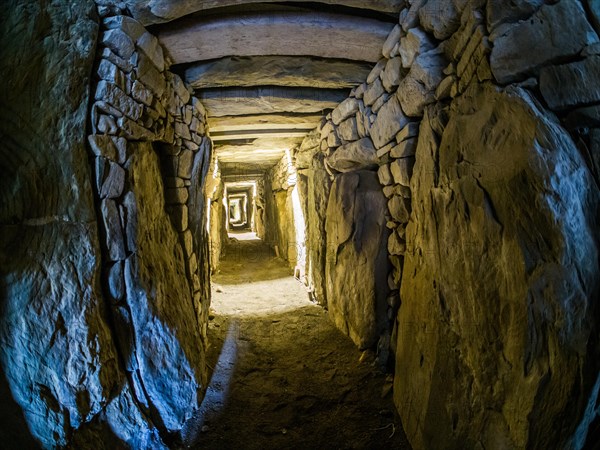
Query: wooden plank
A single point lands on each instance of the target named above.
(244, 71)
(264, 100)
(159, 11)
(264, 121)
(322, 35)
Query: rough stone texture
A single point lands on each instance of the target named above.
(319, 186)
(573, 84)
(166, 353)
(417, 89)
(520, 49)
(390, 120)
(440, 18)
(497, 296)
(414, 43)
(499, 11)
(354, 156)
(357, 264)
(58, 362)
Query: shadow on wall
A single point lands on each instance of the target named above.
(14, 432)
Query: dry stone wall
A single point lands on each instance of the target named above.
(151, 157)
(481, 122)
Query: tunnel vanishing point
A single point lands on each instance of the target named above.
(428, 169)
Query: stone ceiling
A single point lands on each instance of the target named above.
(268, 71)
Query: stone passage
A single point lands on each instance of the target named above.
(282, 375)
(429, 170)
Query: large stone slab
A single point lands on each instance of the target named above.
(277, 71)
(508, 316)
(159, 11)
(522, 48)
(325, 35)
(58, 362)
(167, 347)
(357, 265)
(571, 85)
(268, 100)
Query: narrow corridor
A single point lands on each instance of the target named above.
(282, 375)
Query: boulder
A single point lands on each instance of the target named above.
(355, 155)
(357, 265)
(498, 296)
(522, 48)
(402, 170)
(499, 11)
(392, 74)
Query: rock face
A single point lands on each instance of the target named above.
(96, 269)
(56, 352)
(497, 296)
(523, 47)
(357, 265)
(166, 353)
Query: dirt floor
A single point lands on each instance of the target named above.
(283, 377)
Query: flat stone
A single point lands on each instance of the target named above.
(392, 74)
(176, 195)
(380, 102)
(123, 64)
(133, 131)
(383, 152)
(118, 42)
(391, 41)
(405, 148)
(109, 71)
(185, 164)
(103, 145)
(119, 99)
(181, 89)
(399, 208)
(418, 88)
(413, 44)
(140, 93)
(384, 175)
(110, 178)
(116, 283)
(402, 170)
(410, 130)
(344, 110)
(347, 130)
(571, 85)
(112, 227)
(127, 24)
(373, 92)
(152, 49)
(375, 72)
(129, 216)
(440, 18)
(179, 214)
(409, 18)
(522, 48)
(390, 120)
(149, 75)
(354, 156)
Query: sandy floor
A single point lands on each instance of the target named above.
(283, 377)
